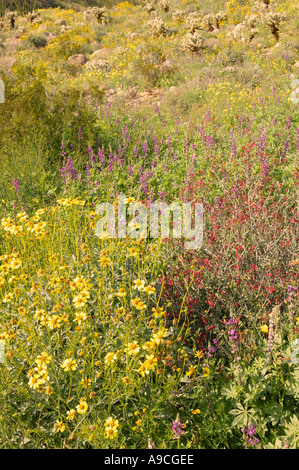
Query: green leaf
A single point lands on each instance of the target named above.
(231, 392)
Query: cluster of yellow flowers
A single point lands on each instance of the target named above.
(38, 376)
(33, 226)
(111, 428)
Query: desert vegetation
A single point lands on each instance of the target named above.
(136, 342)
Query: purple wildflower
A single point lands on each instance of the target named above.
(16, 187)
(177, 428)
(251, 439)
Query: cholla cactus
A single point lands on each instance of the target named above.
(237, 34)
(273, 20)
(178, 15)
(219, 18)
(193, 42)
(21, 30)
(250, 22)
(209, 21)
(97, 65)
(164, 5)
(157, 27)
(64, 29)
(193, 22)
(33, 16)
(149, 7)
(100, 14)
(259, 7)
(11, 17)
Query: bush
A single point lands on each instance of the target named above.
(38, 41)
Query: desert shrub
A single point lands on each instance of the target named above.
(149, 56)
(38, 40)
(70, 42)
(209, 21)
(193, 42)
(237, 34)
(178, 15)
(157, 27)
(97, 65)
(33, 17)
(220, 17)
(250, 22)
(149, 7)
(11, 17)
(193, 22)
(273, 20)
(99, 14)
(164, 5)
(240, 268)
(24, 7)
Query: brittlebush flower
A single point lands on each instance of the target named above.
(105, 261)
(149, 290)
(80, 317)
(133, 252)
(69, 364)
(85, 382)
(71, 415)
(133, 348)
(82, 407)
(121, 292)
(139, 284)
(191, 371)
(148, 365)
(111, 428)
(110, 358)
(43, 358)
(158, 337)
(264, 328)
(158, 312)
(34, 382)
(59, 426)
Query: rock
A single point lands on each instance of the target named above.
(77, 59)
(167, 65)
(212, 43)
(172, 88)
(6, 63)
(215, 31)
(229, 69)
(133, 35)
(206, 70)
(296, 66)
(42, 28)
(13, 42)
(104, 53)
(60, 23)
(17, 35)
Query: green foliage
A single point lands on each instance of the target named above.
(38, 40)
(25, 7)
(216, 331)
